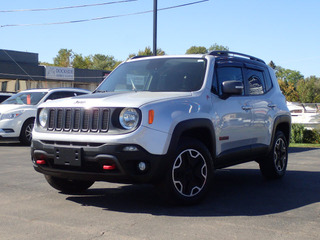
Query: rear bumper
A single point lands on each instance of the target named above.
(91, 159)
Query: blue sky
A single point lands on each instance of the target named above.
(285, 31)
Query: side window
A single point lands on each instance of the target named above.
(78, 94)
(228, 74)
(57, 95)
(268, 80)
(255, 83)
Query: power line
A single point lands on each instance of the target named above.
(17, 64)
(62, 8)
(102, 18)
(42, 76)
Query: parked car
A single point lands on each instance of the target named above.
(4, 96)
(18, 112)
(166, 120)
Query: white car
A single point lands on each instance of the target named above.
(18, 112)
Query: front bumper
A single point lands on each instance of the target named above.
(88, 161)
(9, 129)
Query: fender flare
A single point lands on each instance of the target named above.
(188, 125)
(286, 119)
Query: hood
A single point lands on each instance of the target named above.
(11, 107)
(116, 99)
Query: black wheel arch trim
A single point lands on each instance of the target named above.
(186, 127)
(283, 119)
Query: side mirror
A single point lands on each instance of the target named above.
(232, 87)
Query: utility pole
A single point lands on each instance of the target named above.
(155, 12)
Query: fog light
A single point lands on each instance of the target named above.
(130, 149)
(142, 166)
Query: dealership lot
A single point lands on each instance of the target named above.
(241, 205)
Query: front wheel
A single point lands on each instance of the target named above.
(26, 132)
(68, 186)
(189, 174)
(274, 166)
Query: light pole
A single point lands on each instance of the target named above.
(155, 10)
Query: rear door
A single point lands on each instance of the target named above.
(261, 103)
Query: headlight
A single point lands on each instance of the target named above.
(11, 115)
(129, 118)
(43, 117)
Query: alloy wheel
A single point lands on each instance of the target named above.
(280, 154)
(189, 173)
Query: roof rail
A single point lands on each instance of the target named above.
(227, 54)
(141, 56)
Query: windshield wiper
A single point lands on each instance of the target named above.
(133, 86)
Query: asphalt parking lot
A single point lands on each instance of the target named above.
(241, 205)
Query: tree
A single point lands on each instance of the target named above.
(204, 50)
(64, 58)
(197, 50)
(288, 75)
(81, 62)
(216, 47)
(309, 90)
(289, 90)
(160, 52)
(46, 64)
(147, 52)
(103, 62)
(272, 65)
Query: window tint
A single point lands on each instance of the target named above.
(228, 74)
(268, 80)
(255, 82)
(157, 75)
(57, 95)
(2, 98)
(28, 98)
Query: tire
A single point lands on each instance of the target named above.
(274, 166)
(189, 174)
(68, 186)
(26, 132)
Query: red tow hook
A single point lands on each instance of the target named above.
(109, 167)
(41, 162)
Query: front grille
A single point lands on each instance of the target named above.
(78, 119)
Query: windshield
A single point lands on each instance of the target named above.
(25, 98)
(157, 75)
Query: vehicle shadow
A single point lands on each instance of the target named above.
(12, 144)
(300, 149)
(235, 192)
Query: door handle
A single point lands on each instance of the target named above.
(271, 105)
(246, 108)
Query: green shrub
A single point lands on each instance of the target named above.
(311, 136)
(301, 135)
(297, 131)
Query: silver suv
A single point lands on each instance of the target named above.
(167, 120)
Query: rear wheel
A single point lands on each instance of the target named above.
(189, 175)
(26, 132)
(68, 186)
(274, 166)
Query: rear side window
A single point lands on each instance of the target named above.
(268, 80)
(255, 81)
(57, 95)
(228, 74)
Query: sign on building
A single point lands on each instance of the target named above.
(59, 73)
